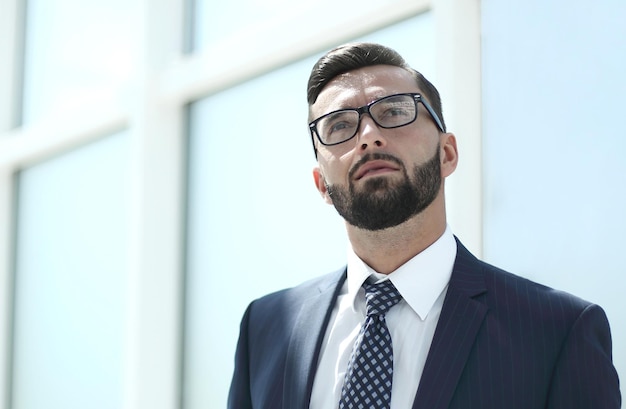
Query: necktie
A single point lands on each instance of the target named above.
(367, 384)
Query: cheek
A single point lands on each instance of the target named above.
(335, 153)
(334, 168)
(425, 151)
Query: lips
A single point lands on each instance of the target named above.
(374, 167)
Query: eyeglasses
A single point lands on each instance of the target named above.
(392, 111)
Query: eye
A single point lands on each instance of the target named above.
(394, 113)
(339, 126)
(397, 111)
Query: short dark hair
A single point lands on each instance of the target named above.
(353, 56)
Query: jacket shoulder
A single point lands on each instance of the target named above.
(302, 291)
(538, 296)
(509, 291)
(285, 304)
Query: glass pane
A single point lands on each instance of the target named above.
(78, 55)
(71, 266)
(216, 23)
(256, 223)
(554, 145)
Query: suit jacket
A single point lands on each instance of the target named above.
(501, 342)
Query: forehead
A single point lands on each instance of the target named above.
(359, 87)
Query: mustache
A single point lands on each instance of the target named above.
(374, 156)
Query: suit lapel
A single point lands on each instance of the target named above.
(459, 322)
(305, 343)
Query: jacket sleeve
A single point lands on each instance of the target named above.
(584, 375)
(239, 394)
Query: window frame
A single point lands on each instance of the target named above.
(167, 80)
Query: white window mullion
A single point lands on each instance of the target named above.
(6, 281)
(457, 25)
(155, 287)
(10, 50)
(197, 75)
(10, 28)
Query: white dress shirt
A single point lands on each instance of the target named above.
(422, 281)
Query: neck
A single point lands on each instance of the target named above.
(386, 250)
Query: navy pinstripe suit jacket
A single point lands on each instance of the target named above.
(501, 342)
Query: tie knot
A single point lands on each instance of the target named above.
(380, 297)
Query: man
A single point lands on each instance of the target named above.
(414, 321)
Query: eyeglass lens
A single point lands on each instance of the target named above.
(389, 112)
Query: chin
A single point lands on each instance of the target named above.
(376, 184)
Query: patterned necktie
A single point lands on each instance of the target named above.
(367, 384)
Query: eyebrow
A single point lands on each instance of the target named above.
(339, 112)
(352, 107)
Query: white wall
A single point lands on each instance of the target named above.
(554, 143)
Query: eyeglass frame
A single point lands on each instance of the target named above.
(365, 109)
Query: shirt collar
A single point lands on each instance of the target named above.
(420, 280)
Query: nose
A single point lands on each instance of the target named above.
(369, 135)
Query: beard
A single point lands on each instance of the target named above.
(383, 202)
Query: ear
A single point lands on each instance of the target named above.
(449, 154)
(320, 184)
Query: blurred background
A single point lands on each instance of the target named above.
(155, 172)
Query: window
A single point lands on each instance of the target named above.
(70, 279)
(256, 223)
